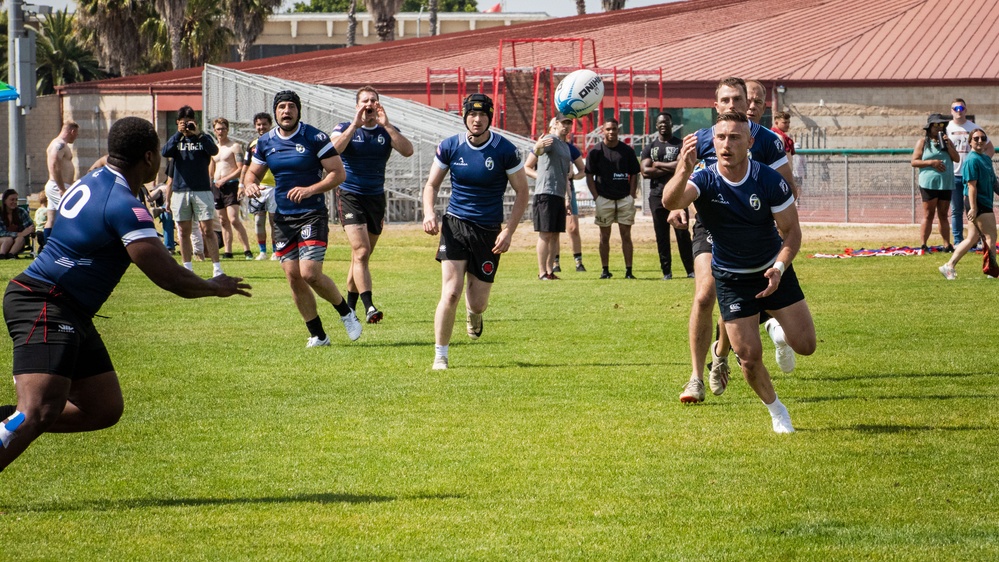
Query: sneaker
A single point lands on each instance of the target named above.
(718, 376)
(553, 277)
(693, 392)
(274, 257)
(606, 275)
(556, 269)
(782, 422)
(667, 276)
(580, 268)
(248, 255)
(227, 255)
(473, 325)
(948, 272)
(261, 256)
(543, 277)
(784, 354)
(316, 342)
(374, 315)
(690, 275)
(352, 324)
(440, 363)
(629, 276)
(218, 273)
(949, 249)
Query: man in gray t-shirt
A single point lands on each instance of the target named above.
(550, 163)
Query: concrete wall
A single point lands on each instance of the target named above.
(879, 117)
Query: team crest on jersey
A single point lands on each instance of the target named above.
(299, 149)
(321, 136)
(783, 186)
(779, 145)
(489, 163)
(488, 268)
(307, 232)
(754, 202)
(381, 140)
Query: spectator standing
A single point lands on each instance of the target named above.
(226, 168)
(59, 160)
(659, 159)
(934, 156)
(979, 179)
(263, 206)
(958, 131)
(612, 171)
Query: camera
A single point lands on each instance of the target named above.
(190, 126)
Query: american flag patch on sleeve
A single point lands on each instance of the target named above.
(142, 214)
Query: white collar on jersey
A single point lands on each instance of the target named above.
(482, 146)
(279, 131)
(749, 170)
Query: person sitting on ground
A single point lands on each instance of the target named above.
(15, 226)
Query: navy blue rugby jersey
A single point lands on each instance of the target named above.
(478, 176)
(295, 161)
(365, 158)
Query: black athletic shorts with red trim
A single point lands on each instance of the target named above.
(362, 209)
(50, 335)
(737, 292)
(466, 241)
(301, 237)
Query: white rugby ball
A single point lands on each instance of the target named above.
(579, 93)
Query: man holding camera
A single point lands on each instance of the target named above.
(191, 190)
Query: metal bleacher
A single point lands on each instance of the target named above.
(237, 96)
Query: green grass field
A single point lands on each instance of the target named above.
(557, 436)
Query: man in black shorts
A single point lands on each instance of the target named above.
(305, 167)
(472, 235)
(365, 145)
(63, 374)
(751, 264)
(658, 164)
(550, 163)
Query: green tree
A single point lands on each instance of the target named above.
(174, 11)
(3, 47)
(111, 28)
(61, 56)
(246, 19)
(407, 6)
(203, 36)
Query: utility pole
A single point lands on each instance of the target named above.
(21, 74)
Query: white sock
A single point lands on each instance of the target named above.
(776, 408)
(217, 268)
(9, 426)
(440, 350)
(777, 333)
(189, 266)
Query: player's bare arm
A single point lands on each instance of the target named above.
(251, 181)
(434, 181)
(335, 174)
(518, 181)
(151, 256)
(679, 193)
(790, 228)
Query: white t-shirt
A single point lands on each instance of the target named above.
(958, 135)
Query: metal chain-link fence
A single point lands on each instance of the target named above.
(238, 96)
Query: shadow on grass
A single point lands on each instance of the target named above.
(890, 428)
(879, 376)
(140, 503)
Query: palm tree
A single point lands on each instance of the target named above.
(203, 37)
(580, 7)
(612, 5)
(111, 29)
(3, 46)
(433, 17)
(384, 12)
(62, 59)
(173, 11)
(246, 19)
(352, 23)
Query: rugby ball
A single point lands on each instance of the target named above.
(579, 93)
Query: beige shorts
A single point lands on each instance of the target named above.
(610, 211)
(192, 205)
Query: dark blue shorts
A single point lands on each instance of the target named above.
(737, 293)
(465, 241)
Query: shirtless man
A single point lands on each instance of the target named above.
(226, 168)
(62, 173)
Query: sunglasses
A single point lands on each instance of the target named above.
(959, 108)
(979, 139)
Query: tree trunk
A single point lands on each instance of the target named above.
(352, 23)
(580, 7)
(612, 5)
(433, 17)
(385, 27)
